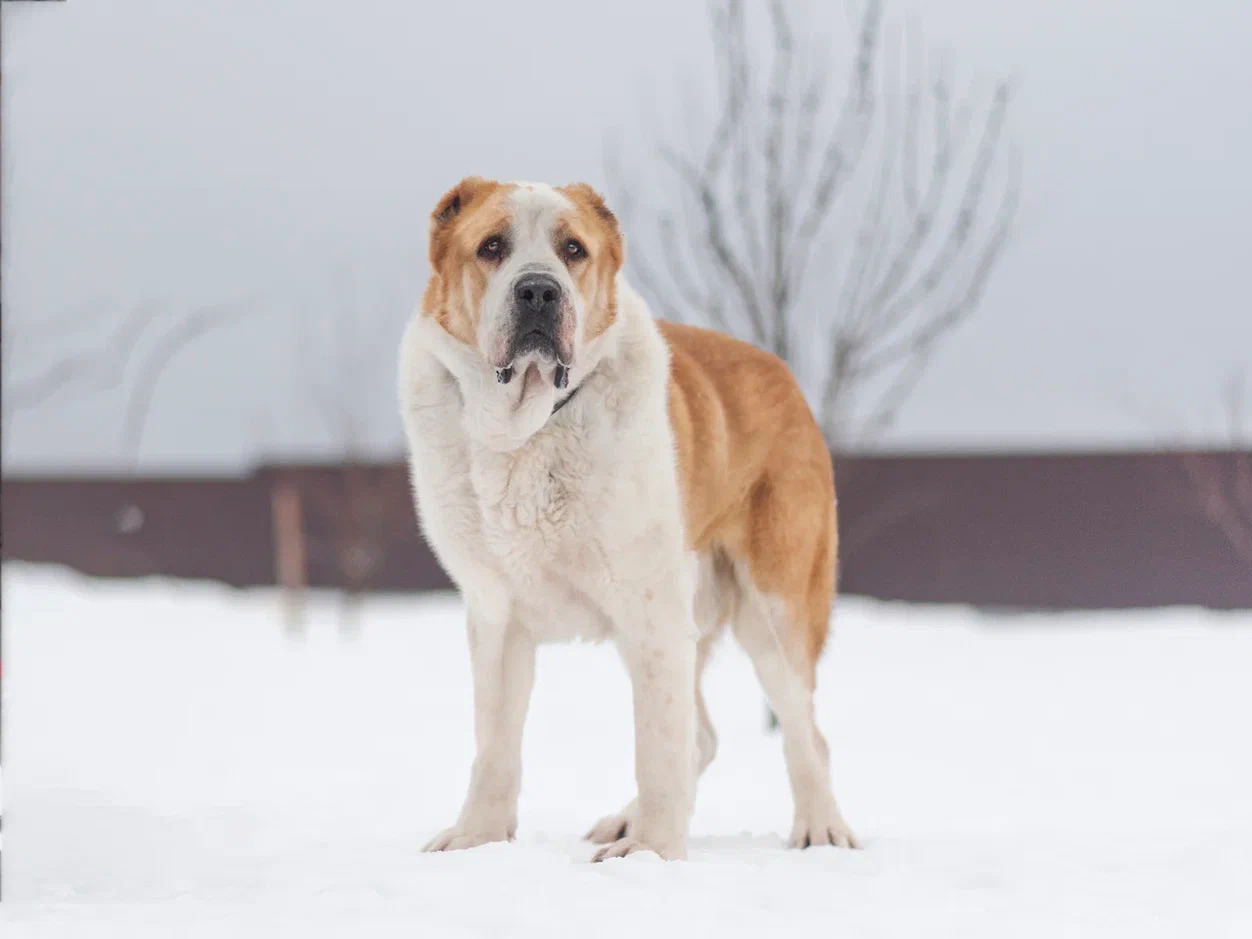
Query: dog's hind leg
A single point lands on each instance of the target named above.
(761, 628)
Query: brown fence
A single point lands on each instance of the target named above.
(1028, 531)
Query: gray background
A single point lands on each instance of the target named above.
(282, 157)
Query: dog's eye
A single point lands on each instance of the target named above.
(492, 249)
(574, 250)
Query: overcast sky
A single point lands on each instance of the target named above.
(280, 159)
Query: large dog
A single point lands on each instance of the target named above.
(582, 470)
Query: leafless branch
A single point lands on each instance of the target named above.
(143, 391)
(339, 370)
(94, 366)
(915, 193)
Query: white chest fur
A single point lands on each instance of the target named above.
(541, 506)
(545, 514)
(562, 527)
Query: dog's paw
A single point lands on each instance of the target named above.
(624, 846)
(609, 829)
(457, 838)
(824, 828)
(619, 848)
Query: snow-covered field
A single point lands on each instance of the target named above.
(175, 766)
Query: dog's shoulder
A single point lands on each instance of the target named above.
(425, 378)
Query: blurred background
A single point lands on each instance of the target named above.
(1004, 248)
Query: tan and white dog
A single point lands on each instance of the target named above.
(583, 471)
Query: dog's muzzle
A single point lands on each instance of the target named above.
(538, 305)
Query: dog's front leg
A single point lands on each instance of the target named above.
(660, 654)
(503, 658)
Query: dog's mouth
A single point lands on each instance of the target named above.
(535, 342)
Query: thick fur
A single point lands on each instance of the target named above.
(684, 486)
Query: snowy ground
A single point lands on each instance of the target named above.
(175, 766)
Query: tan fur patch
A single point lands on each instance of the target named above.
(469, 212)
(596, 227)
(756, 475)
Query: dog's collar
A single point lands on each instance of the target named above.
(564, 401)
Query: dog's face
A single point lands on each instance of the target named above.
(524, 273)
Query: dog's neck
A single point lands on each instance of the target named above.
(504, 417)
(565, 399)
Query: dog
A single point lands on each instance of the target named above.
(582, 470)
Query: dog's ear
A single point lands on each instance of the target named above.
(455, 201)
(593, 200)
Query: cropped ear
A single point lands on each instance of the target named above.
(452, 204)
(593, 200)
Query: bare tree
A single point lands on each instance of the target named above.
(66, 362)
(185, 332)
(71, 363)
(845, 222)
(357, 500)
(845, 216)
(1222, 485)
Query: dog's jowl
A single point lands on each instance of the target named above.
(584, 471)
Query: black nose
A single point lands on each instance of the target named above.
(537, 293)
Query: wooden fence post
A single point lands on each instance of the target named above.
(290, 552)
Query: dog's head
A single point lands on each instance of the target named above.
(524, 273)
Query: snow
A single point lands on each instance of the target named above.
(175, 765)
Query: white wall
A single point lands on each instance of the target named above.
(283, 156)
